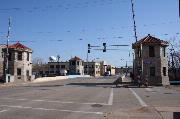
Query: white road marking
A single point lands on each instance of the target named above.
(110, 101)
(139, 98)
(3, 111)
(21, 107)
(38, 100)
(55, 101)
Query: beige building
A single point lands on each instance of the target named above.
(111, 69)
(58, 68)
(151, 60)
(92, 68)
(19, 60)
(76, 66)
(103, 68)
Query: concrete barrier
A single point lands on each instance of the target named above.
(76, 76)
(45, 79)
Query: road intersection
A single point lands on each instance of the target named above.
(87, 99)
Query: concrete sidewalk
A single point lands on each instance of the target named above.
(136, 113)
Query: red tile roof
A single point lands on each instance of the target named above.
(19, 46)
(76, 58)
(150, 40)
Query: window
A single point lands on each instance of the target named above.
(57, 69)
(27, 72)
(139, 53)
(164, 51)
(10, 56)
(152, 71)
(19, 55)
(73, 63)
(57, 72)
(63, 66)
(18, 71)
(151, 51)
(78, 63)
(27, 56)
(46, 72)
(51, 72)
(52, 66)
(57, 66)
(164, 71)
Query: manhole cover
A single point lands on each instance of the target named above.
(96, 105)
(167, 93)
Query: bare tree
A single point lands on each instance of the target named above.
(37, 61)
(38, 64)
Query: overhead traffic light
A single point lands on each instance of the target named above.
(104, 45)
(89, 47)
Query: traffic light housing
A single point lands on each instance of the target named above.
(104, 45)
(89, 47)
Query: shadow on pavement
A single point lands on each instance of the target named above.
(91, 84)
(105, 85)
(44, 86)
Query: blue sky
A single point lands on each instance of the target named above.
(65, 27)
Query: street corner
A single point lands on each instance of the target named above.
(169, 112)
(134, 113)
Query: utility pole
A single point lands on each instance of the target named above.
(7, 49)
(126, 68)
(134, 22)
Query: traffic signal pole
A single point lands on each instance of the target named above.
(89, 47)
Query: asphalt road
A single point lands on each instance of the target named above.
(88, 99)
